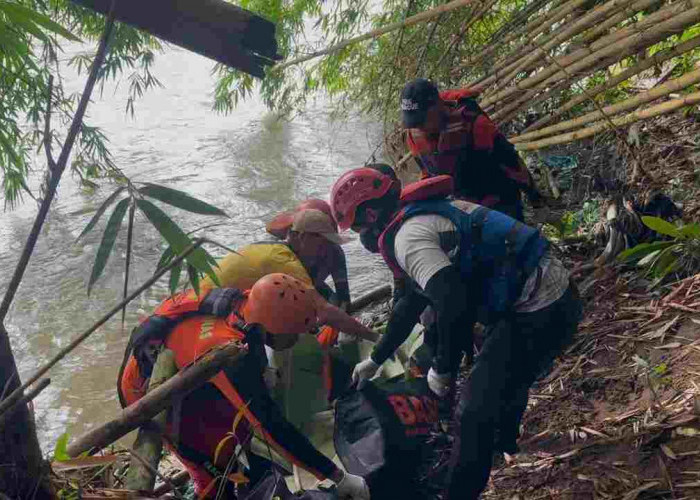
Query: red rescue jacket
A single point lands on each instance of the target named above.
(190, 326)
(486, 168)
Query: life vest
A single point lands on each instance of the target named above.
(496, 253)
(438, 187)
(468, 129)
(190, 326)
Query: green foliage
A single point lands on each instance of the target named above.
(31, 33)
(660, 258)
(198, 261)
(581, 221)
(60, 452)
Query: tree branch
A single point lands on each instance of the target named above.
(55, 176)
(47, 127)
(25, 399)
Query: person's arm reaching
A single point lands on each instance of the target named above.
(339, 272)
(328, 314)
(404, 317)
(268, 418)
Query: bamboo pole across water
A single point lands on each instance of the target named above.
(418, 18)
(150, 405)
(660, 109)
(656, 59)
(651, 95)
(621, 49)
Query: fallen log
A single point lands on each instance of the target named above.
(370, 297)
(135, 415)
(148, 444)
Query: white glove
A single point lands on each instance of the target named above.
(364, 371)
(353, 487)
(439, 383)
(271, 377)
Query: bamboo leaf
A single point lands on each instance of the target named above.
(180, 199)
(28, 17)
(100, 211)
(175, 278)
(649, 258)
(639, 251)
(194, 278)
(220, 446)
(60, 452)
(661, 226)
(176, 237)
(107, 243)
(165, 258)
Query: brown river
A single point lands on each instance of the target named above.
(246, 163)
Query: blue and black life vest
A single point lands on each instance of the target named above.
(496, 253)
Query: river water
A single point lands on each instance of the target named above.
(247, 163)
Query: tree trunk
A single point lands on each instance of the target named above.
(23, 474)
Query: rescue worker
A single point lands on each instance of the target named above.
(310, 253)
(469, 263)
(449, 134)
(275, 312)
(333, 263)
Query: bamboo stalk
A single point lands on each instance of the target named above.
(584, 58)
(418, 18)
(6, 403)
(650, 62)
(529, 99)
(659, 109)
(467, 24)
(651, 95)
(532, 49)
(529, 27)
(529, 37)
(148, 445)
(187, 380)
(604, 42)
(540, 50)
(28, 397)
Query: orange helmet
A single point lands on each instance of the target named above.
(282, 304)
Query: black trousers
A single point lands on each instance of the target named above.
(494, 398)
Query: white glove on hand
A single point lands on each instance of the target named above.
(353, 487)
(439, 383)
(364, 371)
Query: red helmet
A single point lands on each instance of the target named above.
(354, 188)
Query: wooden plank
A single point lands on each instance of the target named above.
(213, 28)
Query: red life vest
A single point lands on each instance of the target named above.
(190, 326)
(467, 129)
